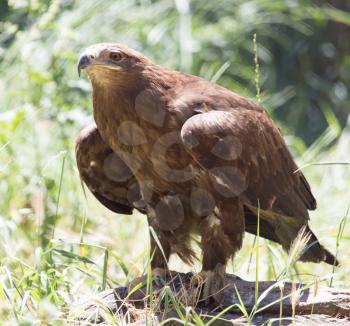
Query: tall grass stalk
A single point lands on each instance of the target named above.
(297, 248)
(256, 240)
(257, 68)
(84, 219)
(339, 237)
(59, 194)
(257, 256)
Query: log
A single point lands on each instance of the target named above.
(282, 303)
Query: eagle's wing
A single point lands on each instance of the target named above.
(244, 149)
(246, 156)
(104, 173)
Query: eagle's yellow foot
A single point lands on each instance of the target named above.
(158, 277)
(212, 283)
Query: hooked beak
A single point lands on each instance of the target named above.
(84, 61)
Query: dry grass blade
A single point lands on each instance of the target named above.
(298, 246)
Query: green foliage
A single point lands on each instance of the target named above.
(56, 243)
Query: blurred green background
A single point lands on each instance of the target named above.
(56, 243)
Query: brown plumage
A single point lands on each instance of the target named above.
(195, 157)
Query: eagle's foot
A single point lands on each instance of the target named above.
(211, 282)
(158, 278)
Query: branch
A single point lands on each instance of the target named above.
(281, 300)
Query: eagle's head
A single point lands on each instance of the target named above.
(111, 62)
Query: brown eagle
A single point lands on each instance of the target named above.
(196, 158)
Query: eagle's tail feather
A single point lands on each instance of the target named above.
(284, 229)
(316, 252)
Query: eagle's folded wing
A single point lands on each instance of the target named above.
(245, 150)
(104, 173)
(246, 156)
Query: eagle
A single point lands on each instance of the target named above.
(196, 158)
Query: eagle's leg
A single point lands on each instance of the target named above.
(165, 215)
(160, 253)
(159, 259)
(222, 235)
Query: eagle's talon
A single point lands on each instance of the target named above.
(158, 278)
(211, 282)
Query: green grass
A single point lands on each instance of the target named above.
(57, 244)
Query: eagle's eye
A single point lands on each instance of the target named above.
(116, 56)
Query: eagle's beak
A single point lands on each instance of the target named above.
(84, 61)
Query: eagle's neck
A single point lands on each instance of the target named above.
(112, 106)
(138, 102)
